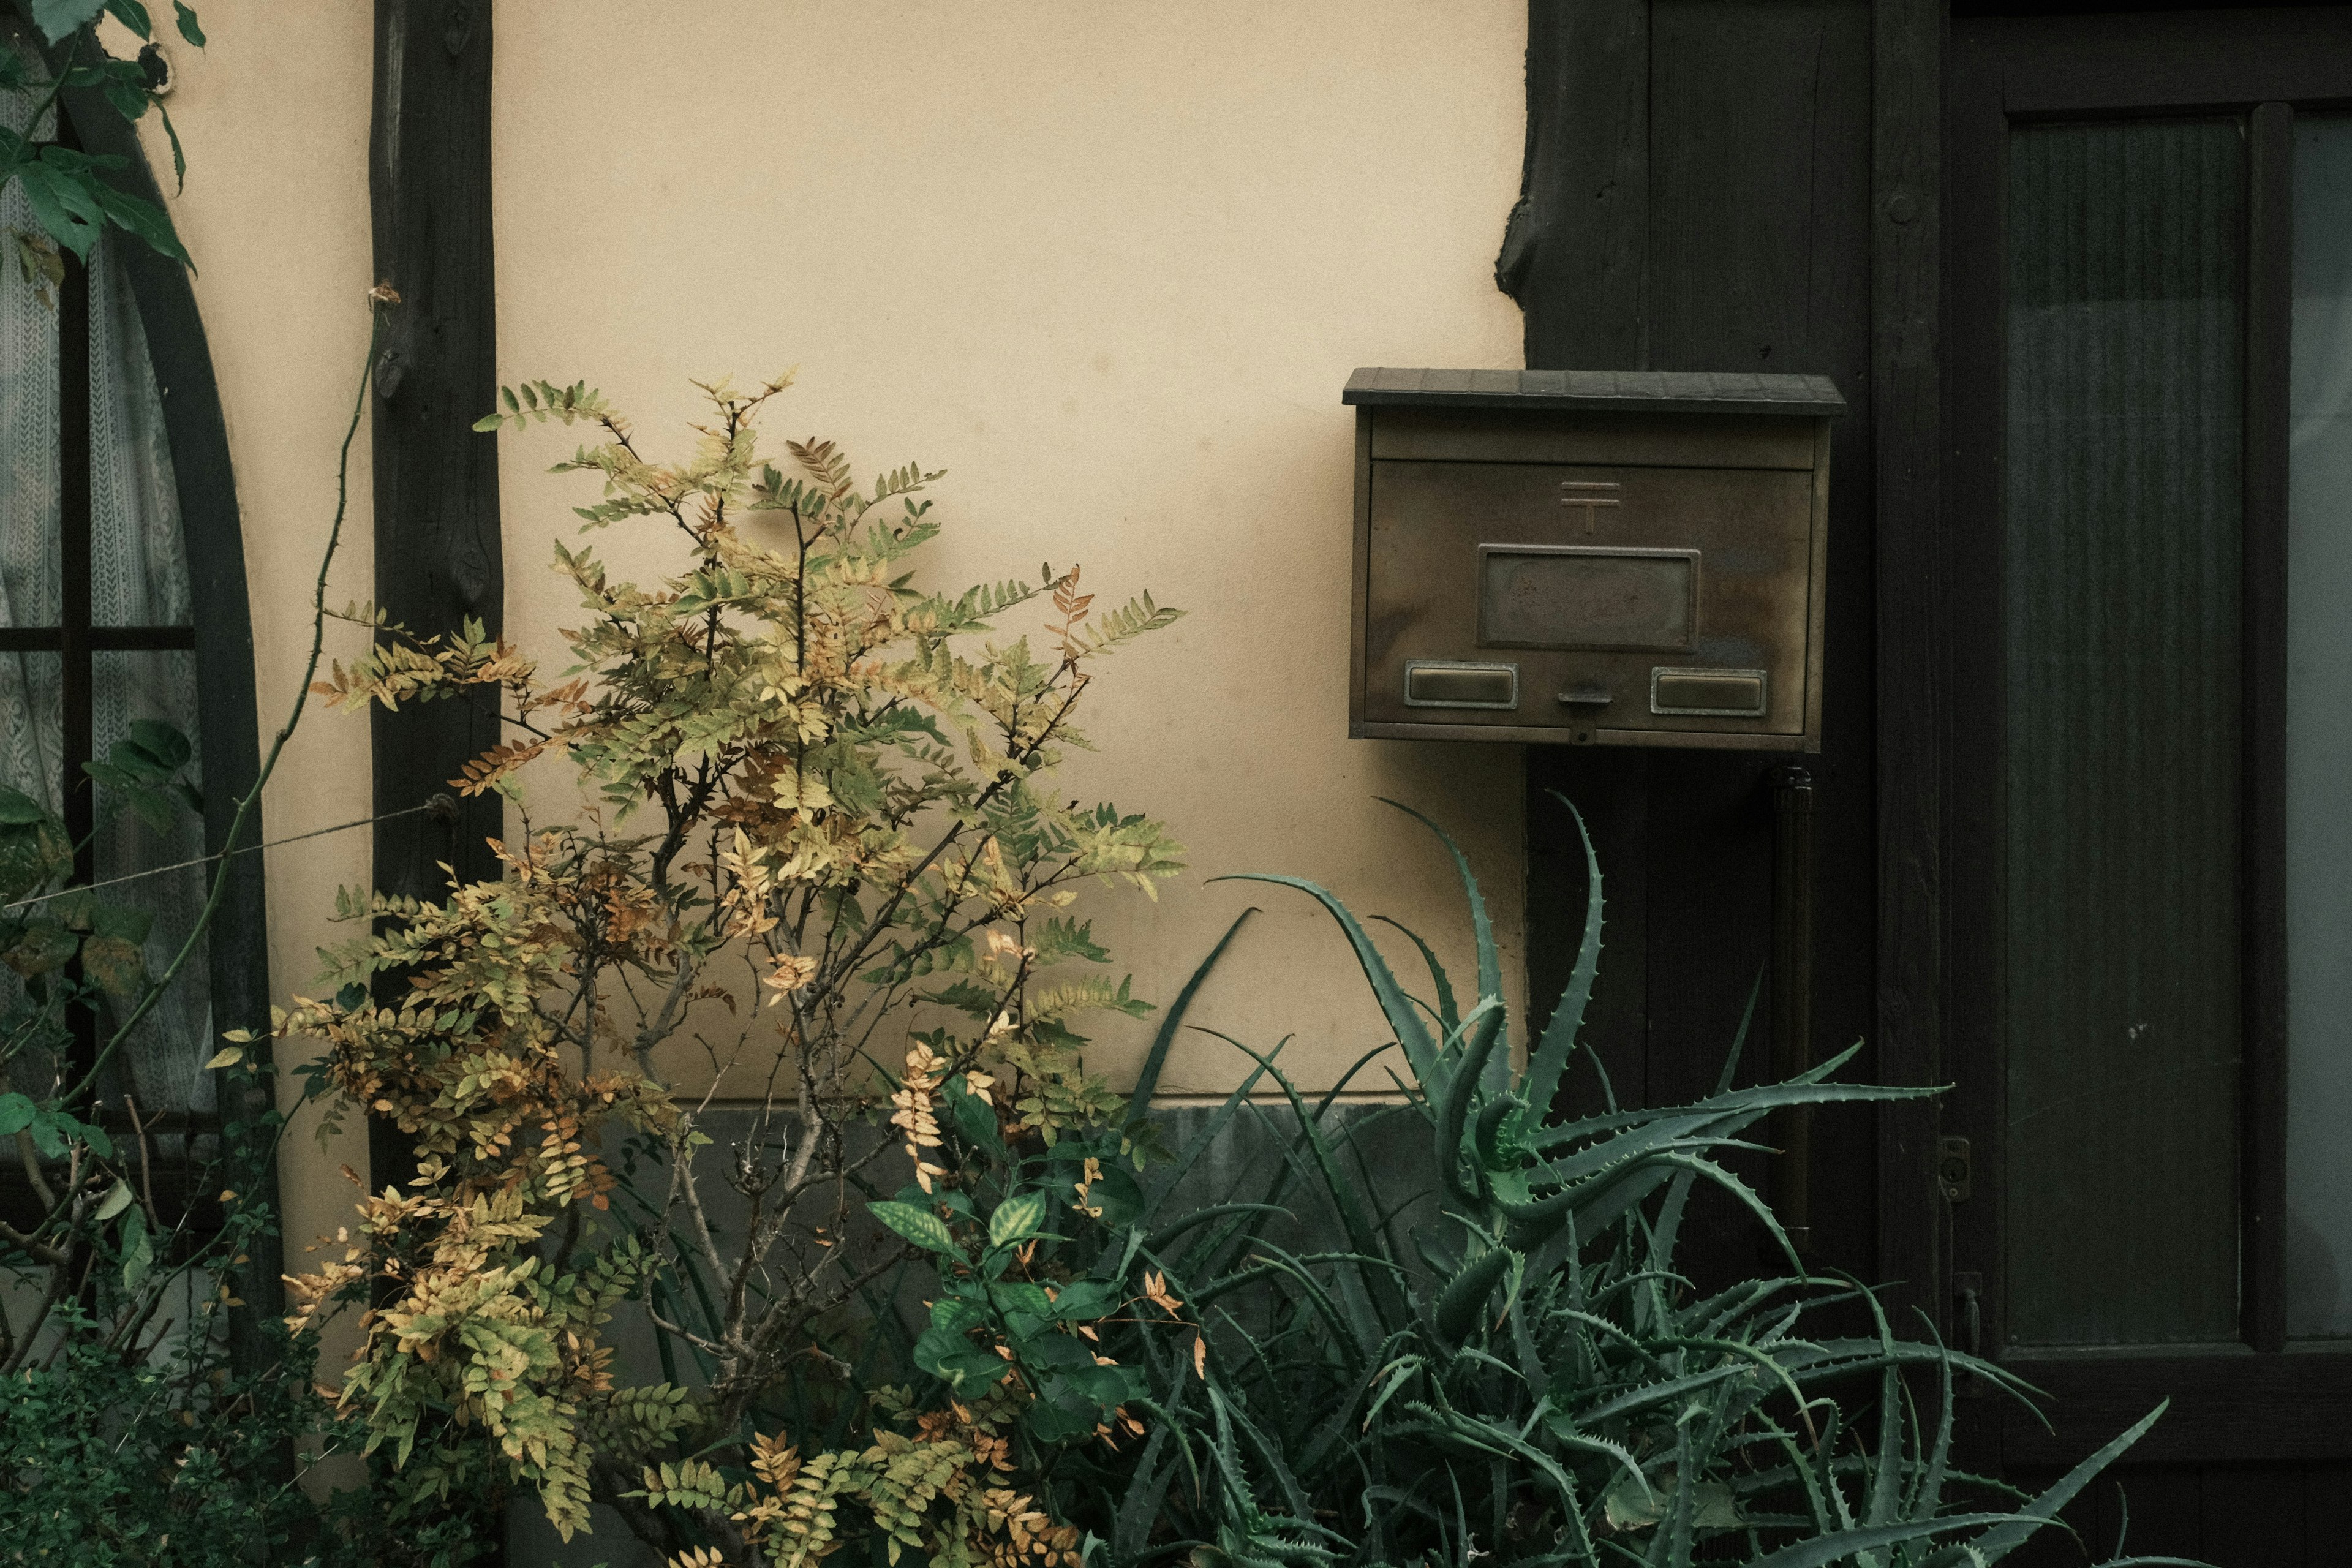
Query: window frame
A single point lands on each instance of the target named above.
(77, 639)
(221, 634)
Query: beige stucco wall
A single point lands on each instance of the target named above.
(1108, 264)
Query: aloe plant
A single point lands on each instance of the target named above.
(1523, 1376)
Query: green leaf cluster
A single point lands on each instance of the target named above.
(76, 196)
(174, 1460)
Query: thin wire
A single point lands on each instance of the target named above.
(433, 805)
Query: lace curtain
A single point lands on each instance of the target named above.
(139, 578)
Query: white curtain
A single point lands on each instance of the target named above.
(30, 592)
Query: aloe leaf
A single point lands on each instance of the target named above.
(1665, 1394)
(1342, 1424)
(1931, 1481)
(2009, 1535)
(1603, 1196)
(1449, 1014)
(1485, 1135)
(1269, 1455)
(1173, 1177)
(1886, 1481)
(1362, 1237)
(1615, 1453)
(1729, 1182)
(1838, 1545)
(1310, 1290)
(1961, 1555)
(1490, 962)
(1607, 1329)
(1739, 1039)
(1538, 1138)
(1549, 1060)
(1600, 1071)
(1241, 1228)
(1825, 1454)
(1463, 1302)
(1838, 1358)
(1462, 1086)
(1160, 1240)
(1142, 1512)
(1679, 1526)
(1420, 1049)
(1487, 1439)
(1621, 1153)
(1666, 1233)
(1139, 1510)
(1147, 1081)
(1735, 1109)
(1806, 1476)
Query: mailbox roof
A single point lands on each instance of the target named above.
(1599, 391)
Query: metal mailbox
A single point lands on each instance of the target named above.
(1612, 558)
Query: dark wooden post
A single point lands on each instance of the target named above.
(437, 556)
(1906, 239)
(1792, 997)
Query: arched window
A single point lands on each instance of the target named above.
(122, 604)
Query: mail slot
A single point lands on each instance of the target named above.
(1593, 557)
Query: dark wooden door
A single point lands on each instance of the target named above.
(1827, 186)
(2122, 312)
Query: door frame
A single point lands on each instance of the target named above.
(1939, 634)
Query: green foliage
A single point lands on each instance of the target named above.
(1521, 1375)
(71, 193)
(177, 1460)
(821, 851)
(128, 1432)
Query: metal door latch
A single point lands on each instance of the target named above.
(1968, 1300)
(1954, 1171)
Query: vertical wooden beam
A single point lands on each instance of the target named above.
(1906, 408)
(2270, 328)
(1580, 232)
(438, 555)
(438, 561)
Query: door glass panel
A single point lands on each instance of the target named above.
(2120, 842)
(2319, 739)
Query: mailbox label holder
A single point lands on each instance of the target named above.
(1460, 683)
(1587, 596)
